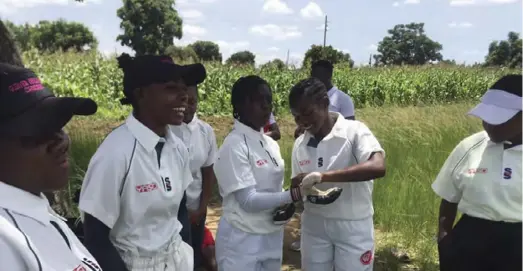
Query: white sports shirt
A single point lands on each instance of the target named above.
(34, 237)
(340, 102)
(483, 178)
(248, 158)
(200, 140)
(350, 142)
(126, 189)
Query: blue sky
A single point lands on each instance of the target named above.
(270, 28)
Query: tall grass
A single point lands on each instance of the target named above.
(417, 140)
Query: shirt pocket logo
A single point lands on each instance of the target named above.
(144, 188)
(261, 162)
(507, 173)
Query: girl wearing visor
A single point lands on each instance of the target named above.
(34, 160)
(482, 179)
(250, 171)
(135, 181)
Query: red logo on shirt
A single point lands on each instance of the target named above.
(366, 258)
(143, 188)
(261, 162)
(304, 162)
(79, 268)
(477, 170)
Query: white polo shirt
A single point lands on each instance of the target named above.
(200, 140)
(248, 158)
(340, 102)
(483, 178)
(30, 241)
(126, 189)
(350, 142)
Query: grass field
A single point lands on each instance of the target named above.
(417, 140)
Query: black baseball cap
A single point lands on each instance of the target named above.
(28, 109)
(145, 70)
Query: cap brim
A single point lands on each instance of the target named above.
(50, 116)
(193, 74)
(492, 114)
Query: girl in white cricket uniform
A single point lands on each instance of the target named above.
(199, 138)
(34, 159)
(136, 179)
(250, 172)
(335, 151)
(482, 179)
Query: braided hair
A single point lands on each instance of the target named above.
(311, 88)
(243, 89)
(125, 62)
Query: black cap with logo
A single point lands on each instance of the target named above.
(28, 109)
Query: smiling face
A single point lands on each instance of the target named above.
(165, 103)
(311, 115)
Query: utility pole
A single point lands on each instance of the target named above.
(287, 61)
(325, 32)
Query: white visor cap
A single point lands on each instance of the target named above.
(497, 107)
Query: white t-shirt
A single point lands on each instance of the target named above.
(128, 191)
(200, 140)
(483, 178)
(350, 142)
(30, 241)
(340, 102)
(248, 158)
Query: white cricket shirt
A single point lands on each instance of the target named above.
(128, 191)
(340, 102)
(248, 158)
(30, 237)
(350, 142)
(200, 140)
(483, 178)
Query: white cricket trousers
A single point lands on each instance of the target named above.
(178, 256)
(237, 250)
(334, 244)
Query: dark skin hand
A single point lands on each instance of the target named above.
(274, 132)
(447, 216)
(96, 240)
(208, 180)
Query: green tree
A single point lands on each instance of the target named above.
(275, 63)
(59, 35)
(207, 50)
(506, 52)
(182, 54)
(407, 45)
(242, 58)
(149, 26)
(22, 35)
(318, 52)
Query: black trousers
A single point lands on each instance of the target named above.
(183, 217)
(476, 244)
(197, 232)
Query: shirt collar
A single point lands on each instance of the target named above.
(338, 130)
(145, 136)
(331, 91)
(248, 131)
(193, 124)
(24, 203)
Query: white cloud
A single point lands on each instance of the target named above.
(411, 2)
(273, 49)
(277, 7)
(373, 47)
(460, 25)
(311, 11)
(191, 14)
(193, 30)
(462, 2)
(296, 59)
(503, 1)
(395, 4)
(232, 47)
(322, 27)
(276, 32)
